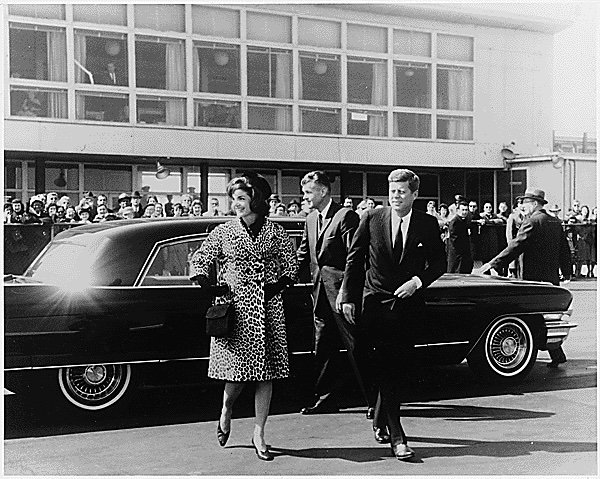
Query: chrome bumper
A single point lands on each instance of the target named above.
(558, 327)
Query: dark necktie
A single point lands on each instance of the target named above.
(398, 243)
(319, 224)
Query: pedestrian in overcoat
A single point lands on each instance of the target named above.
(544, 247)
(256, 261)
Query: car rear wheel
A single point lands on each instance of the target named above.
(505, 353)
(96, 386)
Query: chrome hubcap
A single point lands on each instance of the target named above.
(95, 374)
(508, 346)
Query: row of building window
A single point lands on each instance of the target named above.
(424, 96)
(260, 26)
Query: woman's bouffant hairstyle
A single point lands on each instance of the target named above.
(258, 189)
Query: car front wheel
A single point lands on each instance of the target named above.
(96, 386)
(505, 353)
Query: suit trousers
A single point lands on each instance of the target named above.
(391, 330)
(332, 333)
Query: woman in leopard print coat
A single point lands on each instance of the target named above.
(256, 260)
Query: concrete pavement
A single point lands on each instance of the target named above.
(545, 426)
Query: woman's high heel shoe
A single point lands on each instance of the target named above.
(262, 455)
(222, 436)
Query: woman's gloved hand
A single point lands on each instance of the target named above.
(273, 289)
(218, 289)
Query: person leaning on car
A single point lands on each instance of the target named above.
(405, 254)
(544, 247)
(257, 261)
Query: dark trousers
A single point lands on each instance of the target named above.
(391, 332)
(332, 333)
(557, 355)
(460, 264)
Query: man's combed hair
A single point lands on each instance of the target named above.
(400, 175)
(319, 177)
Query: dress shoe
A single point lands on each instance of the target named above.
(262, 455)
(222, 437)
(381, 435)
(319, 409)
(402, 451)
(554, 364)
(370, 413)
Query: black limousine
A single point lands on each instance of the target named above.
(103, 304)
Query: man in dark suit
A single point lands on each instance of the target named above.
(112, 76)
(404, 253)
(459, 246)
(544, 247)
(328, 231)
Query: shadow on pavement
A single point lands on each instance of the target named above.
(191, 404)
(459, 448)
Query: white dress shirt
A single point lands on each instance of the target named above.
(405, 225)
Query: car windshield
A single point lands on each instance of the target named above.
(68, 262)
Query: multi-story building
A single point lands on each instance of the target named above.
(96, 94)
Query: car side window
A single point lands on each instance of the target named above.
(171, 264)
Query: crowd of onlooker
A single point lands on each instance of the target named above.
(489, 230)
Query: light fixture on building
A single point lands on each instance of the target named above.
(557, 161)
(409, 72)
(507, 151)
(161, 171)
(221, 58)
(60, 181)
(320, 66)
(112, 47)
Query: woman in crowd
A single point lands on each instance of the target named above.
(84, 215)
(8, 211)
(443, 217)
(294, 208)
(70, 215)
(280, 210)
(196, 209)
(159, 210)
(52, 213)
(18, 211)
(257, 261)
(177, 210)
(148, 210)
(431, 209)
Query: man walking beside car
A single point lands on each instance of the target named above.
(405, 254)
(328, 231)
(544, 247)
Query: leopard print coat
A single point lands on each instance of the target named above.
(256, 350)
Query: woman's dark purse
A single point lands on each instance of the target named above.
(219, 320)
(219, 317)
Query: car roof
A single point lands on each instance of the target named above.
(129, 242)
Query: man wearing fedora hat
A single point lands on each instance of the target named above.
(554, 210)
(544, 247)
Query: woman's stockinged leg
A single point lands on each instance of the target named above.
(262, 403)
(230, 394)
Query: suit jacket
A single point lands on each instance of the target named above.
(423, 255)
(325, 254)
(544, 246)
(103, 78)
(459, 246)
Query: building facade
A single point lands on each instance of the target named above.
(97, 94)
